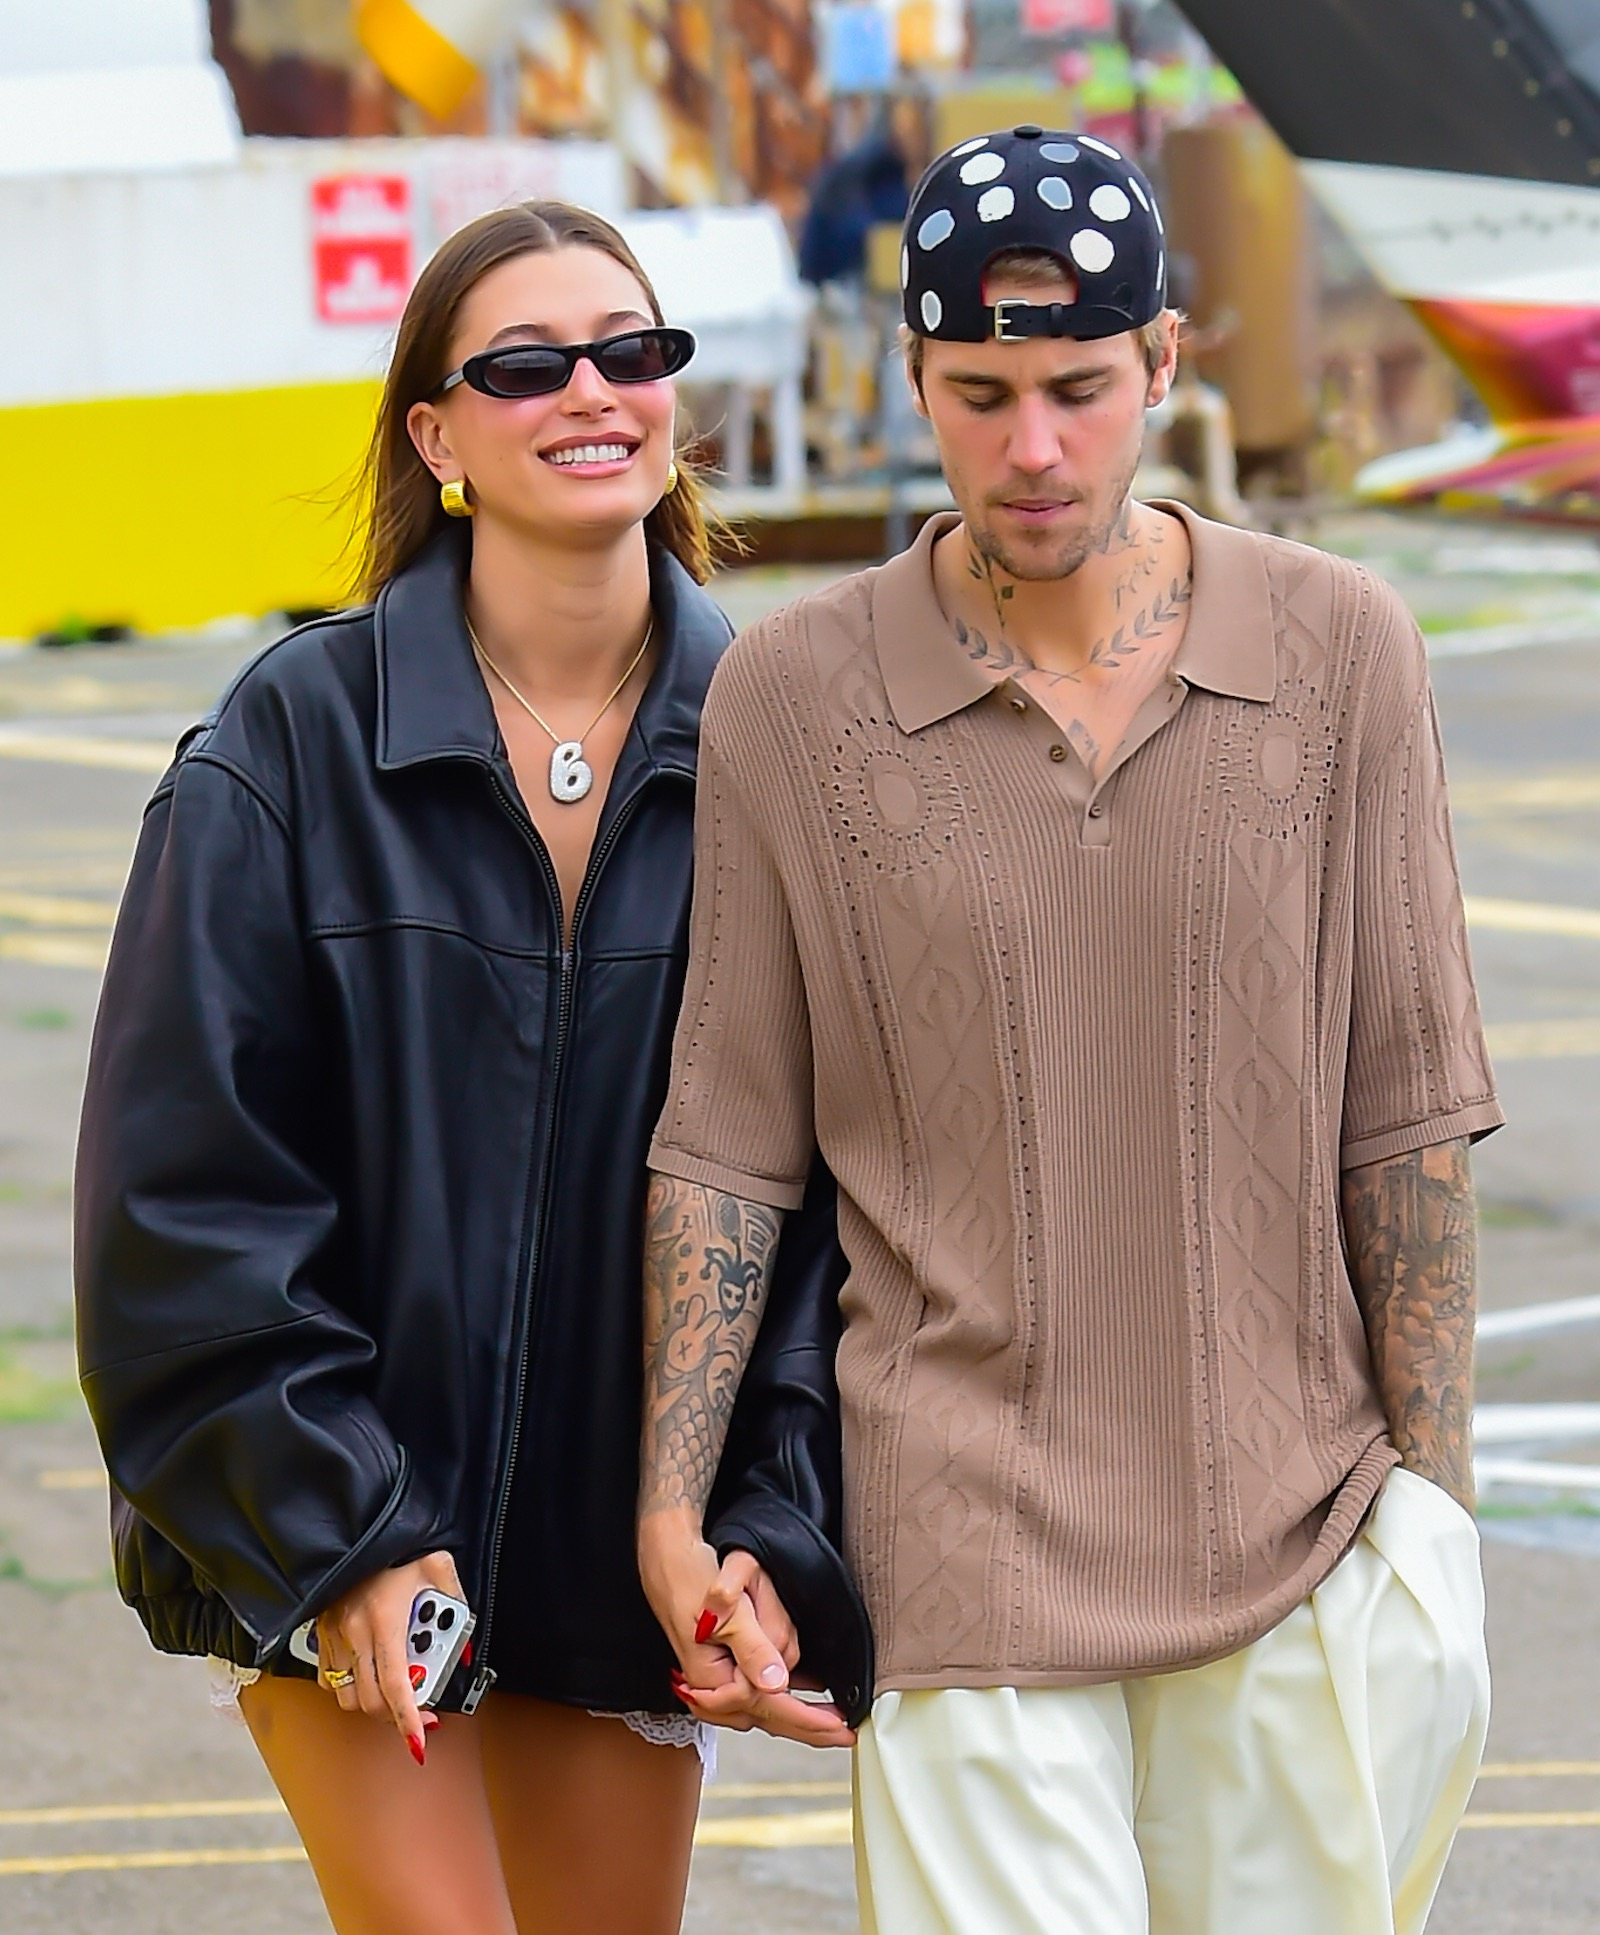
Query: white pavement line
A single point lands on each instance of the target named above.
(1507, 1424)
(1467, 641)
(772, 1790)
(1564, 1315)
(1535, 1472)
(121, 755)
(1533, 917)
(1530, 1041)
(53, 950)
(1537, 1769)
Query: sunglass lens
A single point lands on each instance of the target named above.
(529, 371)
(644, 358)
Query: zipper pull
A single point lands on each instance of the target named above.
(482, 1680)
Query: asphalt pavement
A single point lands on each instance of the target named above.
(126, 1804)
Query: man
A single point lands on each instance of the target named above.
(1081, 883)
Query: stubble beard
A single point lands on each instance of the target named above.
(1069, 554)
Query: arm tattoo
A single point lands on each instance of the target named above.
(707, 1268)
(1410, 1227)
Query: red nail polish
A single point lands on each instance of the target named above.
(466, 1654)
(419, 1749)
(680, 1694)
(677, 1678)
(706, 1627)
(429, 1722)
(418, 1674)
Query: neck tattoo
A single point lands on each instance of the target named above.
(571, 775)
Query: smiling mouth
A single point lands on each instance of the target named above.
(589, 453)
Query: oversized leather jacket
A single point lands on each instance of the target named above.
(362, 1163)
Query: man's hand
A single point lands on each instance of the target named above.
(734, 1640)
(1410, 1226)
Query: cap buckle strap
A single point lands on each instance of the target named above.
(1003, 332)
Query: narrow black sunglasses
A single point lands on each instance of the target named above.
(540, 369)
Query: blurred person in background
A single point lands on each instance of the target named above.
(385, 1028)
(1081, 883)
(868, 185)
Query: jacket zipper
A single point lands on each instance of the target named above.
(484, 1677)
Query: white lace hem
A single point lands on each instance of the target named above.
(660, 1729)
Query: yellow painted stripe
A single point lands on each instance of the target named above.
(53, 950)
(1588, 1820)
(816, 1828)
(775, 1790)
(52, 910)
(138, 1811)
(1534, 917)
(90, 1478)
(120, 755)
(1536, 1769)
(415, 56)
(1522, 1041)
(78, 1864)
(1568, 793)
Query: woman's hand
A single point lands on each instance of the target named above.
(734, 1639)
(364, 1633)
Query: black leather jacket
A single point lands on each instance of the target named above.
(362, 1164)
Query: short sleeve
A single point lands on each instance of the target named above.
(1418, 1070)
(738, 1116)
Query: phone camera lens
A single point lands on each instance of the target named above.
(447, 1619)
(427, 1610)
(420, 1642)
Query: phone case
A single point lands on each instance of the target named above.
(440, 1629)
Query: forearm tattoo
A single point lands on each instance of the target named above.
(1411, 1238)
(707, 1267)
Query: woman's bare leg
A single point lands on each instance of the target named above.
(396, 1849)
(596, 1826)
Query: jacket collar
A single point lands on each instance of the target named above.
(432, 701)
(1229, 646)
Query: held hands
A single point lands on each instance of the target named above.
(735, 1642)
(364, 1634)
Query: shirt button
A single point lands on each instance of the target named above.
(1019, 705)
(1096, 810)
(1058, 752)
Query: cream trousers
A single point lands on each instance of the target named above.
(1308, 1785)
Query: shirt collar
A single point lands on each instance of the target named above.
(1229, 645)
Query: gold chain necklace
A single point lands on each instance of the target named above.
(571, 775)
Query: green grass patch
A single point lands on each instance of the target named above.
(27, 1397)
(1501, 1214)
(44, 1019)
(1563, 1506)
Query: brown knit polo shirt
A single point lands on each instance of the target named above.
(1087, 1060)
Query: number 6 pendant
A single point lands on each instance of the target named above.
(571, 775)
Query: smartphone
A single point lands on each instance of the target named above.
(438, 1634)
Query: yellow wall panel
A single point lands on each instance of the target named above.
(168, 511)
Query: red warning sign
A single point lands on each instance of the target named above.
(361, 246)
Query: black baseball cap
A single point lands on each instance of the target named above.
(1072, 196)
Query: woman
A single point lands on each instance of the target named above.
(383, 1037)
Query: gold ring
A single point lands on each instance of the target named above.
(338, 1678)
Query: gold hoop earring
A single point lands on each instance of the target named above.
(453, 498)
(672, 478)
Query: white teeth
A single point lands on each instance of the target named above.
(590, 453)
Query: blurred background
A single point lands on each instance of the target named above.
(1383, 220)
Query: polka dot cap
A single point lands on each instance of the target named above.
(1071, 195)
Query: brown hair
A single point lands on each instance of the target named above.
(1038, 270)
(400, 497)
